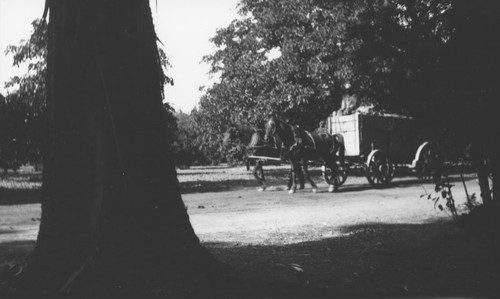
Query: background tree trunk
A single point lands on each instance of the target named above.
(112, 215)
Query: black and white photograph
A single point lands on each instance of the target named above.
(249, 148)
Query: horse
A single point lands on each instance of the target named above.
(250, 140)
(304, 146)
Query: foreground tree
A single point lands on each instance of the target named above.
(112, 218)
(472, 72)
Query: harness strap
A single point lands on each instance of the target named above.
(312, 138)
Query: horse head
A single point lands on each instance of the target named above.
(270, 129)
(229, 136)
(238, 134)
(277, 128)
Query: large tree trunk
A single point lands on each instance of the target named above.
(112, 217)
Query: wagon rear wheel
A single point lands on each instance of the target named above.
(428, 163)
(339, 176)
(379, 169)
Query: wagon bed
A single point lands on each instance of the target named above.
(379, 143)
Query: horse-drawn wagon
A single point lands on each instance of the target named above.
(381, 143)
(256, 152)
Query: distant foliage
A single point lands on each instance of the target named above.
(13, 134)
(23, 112)
(186, 146)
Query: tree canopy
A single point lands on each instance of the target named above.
(432, 59)
(279, 58)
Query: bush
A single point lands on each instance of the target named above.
(21, 134)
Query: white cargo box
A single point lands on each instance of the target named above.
(397, 135)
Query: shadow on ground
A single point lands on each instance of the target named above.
(12, 258)
(280, 177)
(274, 176)
(369, 260)
(19, 196)
(380, 260)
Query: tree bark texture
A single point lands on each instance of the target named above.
(112, 216)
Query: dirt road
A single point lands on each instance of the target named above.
(276, 217)
(244, 216)
(389, 241)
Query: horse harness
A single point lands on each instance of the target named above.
(298, 133)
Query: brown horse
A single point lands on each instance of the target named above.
(307, 146)
(250, 140)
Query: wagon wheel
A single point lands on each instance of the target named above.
(340, 175)
(379, 169)
(428, 163)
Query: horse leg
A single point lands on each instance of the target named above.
(300, 176)
(290, 180)
(340, 148)
(334, 169)
(306, 174)
(293, 173)
(263, 181)
(258, 173)
(290, 174)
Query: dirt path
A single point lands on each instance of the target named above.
(289, 244)
(245, 216)
(276, 217)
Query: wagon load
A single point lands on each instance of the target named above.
(380, 143)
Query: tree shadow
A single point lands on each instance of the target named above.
(372, 259)
(281, 176)
(8, 232)
(215, 186)
(20, 196)
(13, 255)
(16, 250)
(353, 188)
(208, 167)
(366, 260)
(274, 176)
